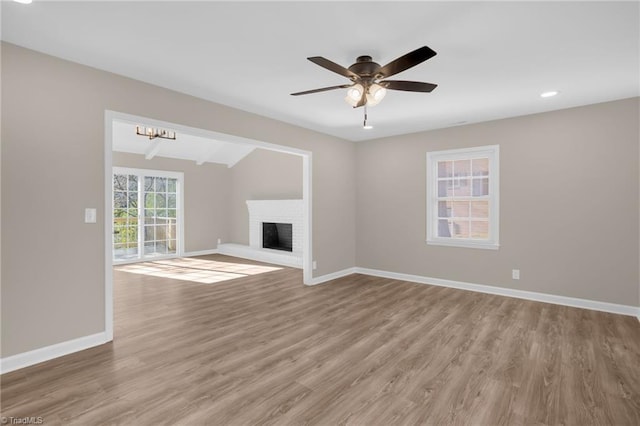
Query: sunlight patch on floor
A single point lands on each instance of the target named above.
(196, 270)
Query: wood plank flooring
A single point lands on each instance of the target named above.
(264, 349)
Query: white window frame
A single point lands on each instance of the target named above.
(493, 153)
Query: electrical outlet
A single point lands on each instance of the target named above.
(515, 274)
(315, 265)
(219, 241)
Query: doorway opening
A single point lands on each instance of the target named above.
(163, 244)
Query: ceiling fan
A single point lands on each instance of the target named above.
(368, 85)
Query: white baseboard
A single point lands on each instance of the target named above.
(200, 253)
(36, 356)
(501, 291)
(332, 276)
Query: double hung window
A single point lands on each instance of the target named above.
(462, 197)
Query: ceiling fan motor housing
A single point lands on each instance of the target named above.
(365, 67)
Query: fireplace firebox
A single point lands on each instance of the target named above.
(278, 236)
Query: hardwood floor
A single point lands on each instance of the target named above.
(264, 349)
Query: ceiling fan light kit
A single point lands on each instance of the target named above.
(354, 93)
(368, 85)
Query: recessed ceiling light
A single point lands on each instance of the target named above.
(549, 94)
(23, 1)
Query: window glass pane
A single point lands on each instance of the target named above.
(445, 188)
(480, 209)
(149, 183)
(132, 213)
(119, 199)
(171, 231)
(119, 182)
(443, 228)
(149, 248)
(119, 230)
(171, 201)
(462, 187)
(444, 209)
(132, 234)
(480, 167)
(149, 200)
(445, 169)
(460, 228)
(171, 213)
(133, 200)
(171, 185)
(480, 187)
(161, 200)
(118, 213)
(133, 183)
(161, 214)
(171, 246)
(479, 229)
(460, 208)
(149, 233)
(161, 184)
(462, 168)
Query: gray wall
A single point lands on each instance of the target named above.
(568, 204)
(53, 167)
(207, 193)
(261, 175)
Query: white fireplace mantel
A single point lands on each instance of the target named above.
(277, 211)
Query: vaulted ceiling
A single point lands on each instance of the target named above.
(186, 146)
(494, 58)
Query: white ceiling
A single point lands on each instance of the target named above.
(493, 61)
(184, 147)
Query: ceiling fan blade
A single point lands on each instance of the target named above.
(332, 66)
(324, 89)
(407, 61)
(408, 86)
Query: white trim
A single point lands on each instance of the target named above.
(170, 256)
(146, 259)
(111, 116)
(276, 257)
(508, 292)
(493, 153)
(307, 254)
(453, 242)
(209, 134)
(332, 276)
(108, 224)
(36, 356)
(200, 253)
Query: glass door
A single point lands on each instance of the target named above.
(146, 214)
(160, 215)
